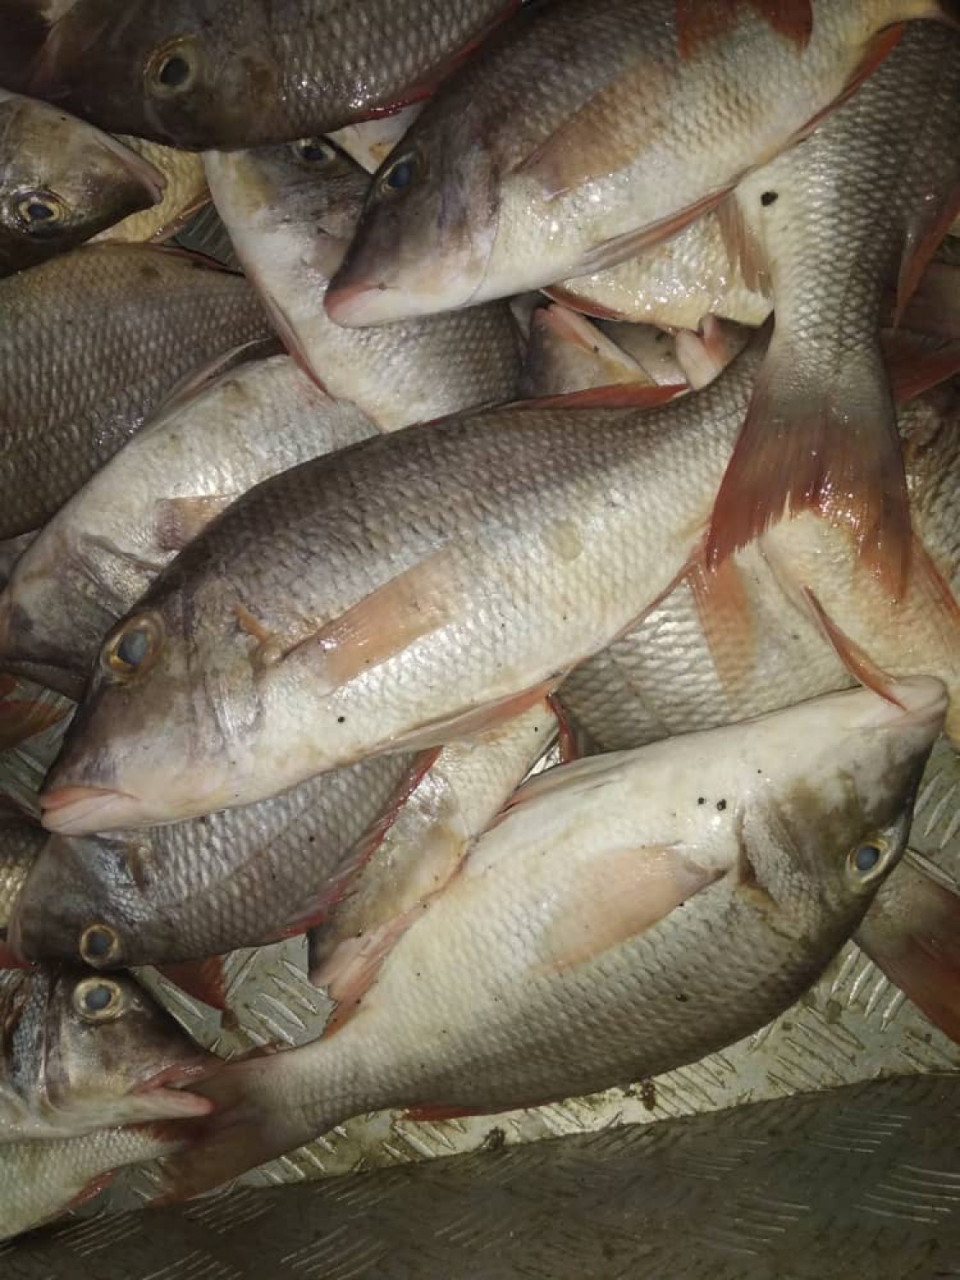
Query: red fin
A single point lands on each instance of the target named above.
(627, 395)
(567, 739)
(477, 720)
(704, 356)
(922, 244)
(612, 252)
(701, 21)
(350, 972)
(202, 979)
(912, 933)
(574, 302)
(830, 446)
(320, 906)
(196, 381)
(21, 719)
(743, 246)
(570, 326)
(443, 1112)
(93, 1188)
(859, 663)
(180, 220)
(726, 617)
(10, 960)
(915, 364)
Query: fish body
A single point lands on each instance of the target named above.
(83, 1051)
(61, 182)
(184, 191)
(105, 546)
(840, 223)
(291, 211)
(582, 132)
(407, 591)
(627, 914)
(207, 73)
(90, 343)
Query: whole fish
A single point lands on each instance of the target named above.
(843, 219)
(106, 545)
(184, 192)
(673, 284)
(84, 1051)
(39, 1181)
(90, 344)
(291, 211)
(208, 73)
(628, 914)
(62, 181)
(20, 843)
(582, 132)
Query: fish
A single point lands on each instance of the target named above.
(20, 843)
(567, 353)
(39, 1181)
(184, 193)
(580, 133)
(84, 1051)
(234, 427)
(854, 212)
(61, 182)
(627, 914)
(194, 74)
(90, 343)
(415, 588)
(674, 284)
(291, 211)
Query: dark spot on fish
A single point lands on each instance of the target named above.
(721, 805)
(768, 198)
(681, 998)
(648, 1094)
(341, 719)
(701, 799)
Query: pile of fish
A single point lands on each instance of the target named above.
(571, 379)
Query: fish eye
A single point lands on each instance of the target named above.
(866, 859)
(97, 999)
(400, 175)
(314, 150)
(133, 648)
(99, 945)
(39, 210)
(173, 68)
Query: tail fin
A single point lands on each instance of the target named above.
(249, 1127)
(912, 933)
(812, 441)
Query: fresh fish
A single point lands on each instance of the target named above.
(291, 211)
(204, 73)
(239, 878)
(62, 181)
(84, 1051)
(184, 192)
(41, 1180)
(627, 915)
(408, 591)
(674, 284)
(851, 214)
(20, 843)
(104, 548)
(90, 343)
(583, 132)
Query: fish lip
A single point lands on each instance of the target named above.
(75, 810)
(182, 1073)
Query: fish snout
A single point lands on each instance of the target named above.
(80, 810)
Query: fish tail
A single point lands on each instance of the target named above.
(827, 444)
(247, 1128)
(912, 933)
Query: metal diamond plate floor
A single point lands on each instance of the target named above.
(862, 1181)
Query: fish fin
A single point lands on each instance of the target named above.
(745, 249)
(573, 302)
(205, 980)
(624, 395)
(567, 743)
(703, 356)
(916, 942)
(856, 660)
(914, 364)
(194, 383)
(179, 520)
(323, 904)
(444, 1111)
(90, 1191)
(468, 724)
(287, 333)
(180, 219)
(831, 446)
(934, 306)
(9, 958)
(617, 895)
(574, 328)
(614, 251)
(21, 719)
(351, 971)
(726, 618)
(701, 21)
(923, 240)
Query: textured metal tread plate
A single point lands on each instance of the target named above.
(862, 1181)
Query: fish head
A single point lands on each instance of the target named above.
(161, 71)
(86, 900)
(307, 192)
(62, 181)
(170, 714)
(86, 1051)
(427, 231)
(836, 781)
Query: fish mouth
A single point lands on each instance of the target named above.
(166, 1094)
(86, 810)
